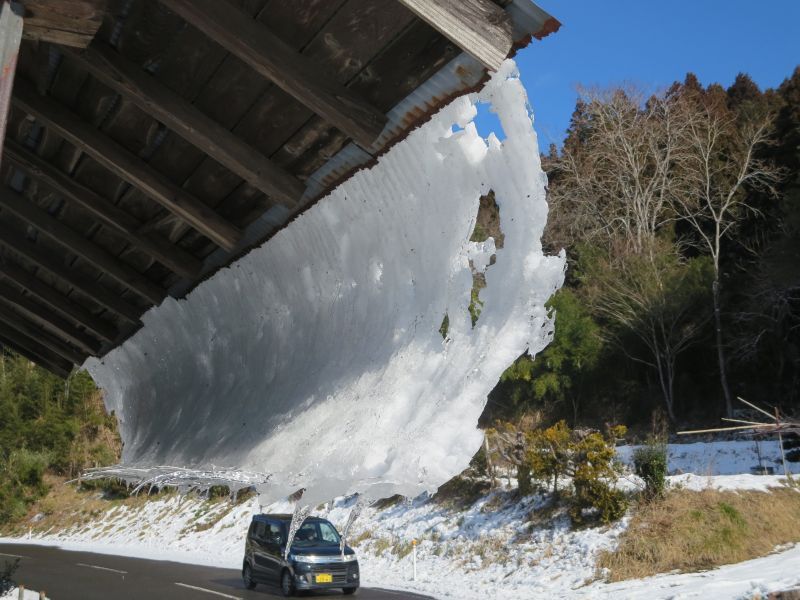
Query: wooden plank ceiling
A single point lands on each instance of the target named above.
(128, 162)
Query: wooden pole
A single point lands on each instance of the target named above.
(751, 405)
(742, 421)
(780, 443)
(724, 429)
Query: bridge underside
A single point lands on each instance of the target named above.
(148, 144)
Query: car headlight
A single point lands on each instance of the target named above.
(311, 559)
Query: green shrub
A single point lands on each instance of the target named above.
(479, 465)
(589, 459)
(28, 468)
(595, 473)
(549, 453)
(595, 500)
(650, 463)
(21, 482)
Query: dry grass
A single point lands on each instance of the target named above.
(690, 531)
(362, 537)
(461, 492)
(65, 507)
(381, 545)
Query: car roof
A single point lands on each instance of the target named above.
(282, 517)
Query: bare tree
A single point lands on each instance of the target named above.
(618, 182)
(616, 188)
(653, 296)
(716, 173)
(637, 164)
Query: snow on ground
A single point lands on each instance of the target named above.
(14, 595)
(720, 458)
(750, 579)
(497, 547)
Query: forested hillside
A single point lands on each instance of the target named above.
(47, 424)
(680, 213)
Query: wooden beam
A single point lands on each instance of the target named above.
(125, 225)
(479, 27)
(18, 243)
(76, 243)
(57, 301)
(138, 86)
(65, 22)
(57, 325)
(16, 321)
(55, 364)
(126, 165)
(257, 46)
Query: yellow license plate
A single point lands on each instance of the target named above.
(324, 578)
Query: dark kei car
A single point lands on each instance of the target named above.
(314, 561)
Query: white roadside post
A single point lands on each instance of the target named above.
(414, 557)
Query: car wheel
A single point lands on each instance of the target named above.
(349, 591)
(247, 577)
(287, 585)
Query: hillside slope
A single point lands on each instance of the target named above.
(493, 545)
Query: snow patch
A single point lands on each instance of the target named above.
(720, 458)
(14, 595)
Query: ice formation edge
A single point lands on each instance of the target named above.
(317, 357)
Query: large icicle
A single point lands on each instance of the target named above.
(317, 358)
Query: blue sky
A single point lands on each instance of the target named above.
(653, 43)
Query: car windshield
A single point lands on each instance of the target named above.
(316, 533)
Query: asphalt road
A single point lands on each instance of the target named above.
(67, 575)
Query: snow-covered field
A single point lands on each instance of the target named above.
(495, 548)
(720, 458)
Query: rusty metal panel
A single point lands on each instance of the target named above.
(10, 36)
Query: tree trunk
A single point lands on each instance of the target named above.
(723, 375)
(575, 405)
(664, 379)
(489, 465)
(666, 389)
(524, 483)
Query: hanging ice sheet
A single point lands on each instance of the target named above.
(317, 358)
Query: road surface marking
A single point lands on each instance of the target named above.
(12, 555)
(102, 568)
(199, 589)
